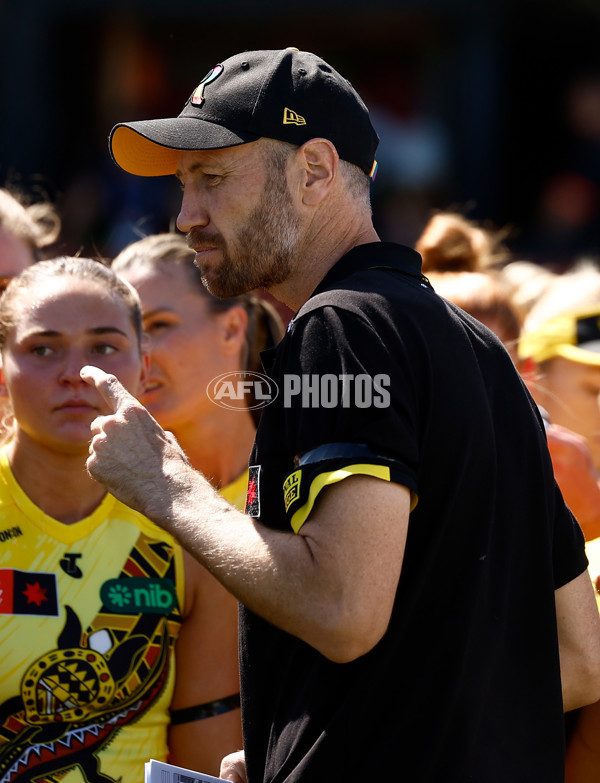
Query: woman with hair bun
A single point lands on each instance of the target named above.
(461, 259)
(452, 243)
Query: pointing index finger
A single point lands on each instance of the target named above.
(109, 387)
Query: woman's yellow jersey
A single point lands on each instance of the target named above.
(89, 614)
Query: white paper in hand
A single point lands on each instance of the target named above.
(160, 772)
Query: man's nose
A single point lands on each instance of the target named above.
(192, 212)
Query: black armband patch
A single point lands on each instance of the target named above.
(207, 710)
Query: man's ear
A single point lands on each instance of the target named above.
(318, 160)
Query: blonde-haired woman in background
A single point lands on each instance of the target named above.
(193, 338)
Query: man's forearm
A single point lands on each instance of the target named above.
(332, 584)
(285, 578)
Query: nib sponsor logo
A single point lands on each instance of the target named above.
(139, 595)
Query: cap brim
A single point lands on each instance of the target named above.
(578, 354)
(149, 148)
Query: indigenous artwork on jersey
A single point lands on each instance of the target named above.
(76, 697)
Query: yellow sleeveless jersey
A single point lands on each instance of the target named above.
(89, 614)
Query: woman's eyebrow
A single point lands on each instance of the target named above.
(107, 330)
(156, 310)
(93, 330)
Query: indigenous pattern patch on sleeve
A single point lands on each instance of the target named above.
(253, 497)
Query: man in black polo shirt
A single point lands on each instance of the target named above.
(414, 597)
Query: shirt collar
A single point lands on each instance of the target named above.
(374, 255)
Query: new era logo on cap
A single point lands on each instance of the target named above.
(292, 118)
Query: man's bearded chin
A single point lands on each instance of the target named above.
(197, 238)
(231, 279)
(267, 266)
(226, 283)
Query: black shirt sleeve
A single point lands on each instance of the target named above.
(348, 408)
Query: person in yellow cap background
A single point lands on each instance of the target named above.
(560, 362)
(559, 351)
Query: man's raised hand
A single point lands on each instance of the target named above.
(130, 453)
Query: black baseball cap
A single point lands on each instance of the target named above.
(285, 94)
